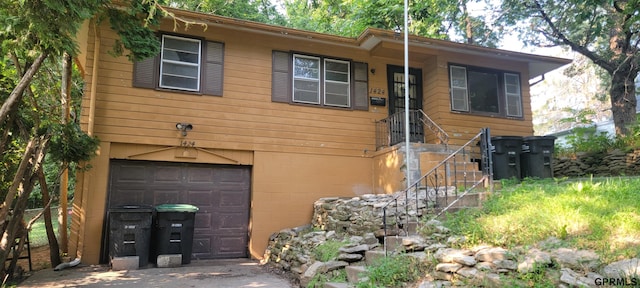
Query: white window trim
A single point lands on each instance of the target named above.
(339, 82)
(506, 97)
(465, 88)
(295, 77)
(198, 65)
(509, 96)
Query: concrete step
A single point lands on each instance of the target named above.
(355, 273)
(468, 200)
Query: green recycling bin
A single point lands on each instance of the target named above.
(173, 230)
(506, 157)
(536, 158)
(130, 232)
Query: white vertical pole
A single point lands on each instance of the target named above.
(406, 92)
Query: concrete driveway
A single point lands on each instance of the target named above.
(202, 273)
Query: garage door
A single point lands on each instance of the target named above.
(221, 192)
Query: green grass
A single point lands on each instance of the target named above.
(393, 271)
(328, 250)
(602, 215)
(38, 234)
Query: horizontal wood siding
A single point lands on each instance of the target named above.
(243, 118)
(462, 126)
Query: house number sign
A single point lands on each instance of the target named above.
(376, 91)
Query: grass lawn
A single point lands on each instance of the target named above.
(598, 214)
(38, 234)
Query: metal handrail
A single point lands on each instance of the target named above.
(435, 128)
(448, 179)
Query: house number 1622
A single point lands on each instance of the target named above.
(376, 91)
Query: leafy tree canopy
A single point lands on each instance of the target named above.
(606, 32)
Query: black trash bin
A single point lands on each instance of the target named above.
(506, 157)
(536, 158)
(173, 230)
(130, 232)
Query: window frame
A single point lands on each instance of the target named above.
(322, 80)
(504, 98)
(197, 65)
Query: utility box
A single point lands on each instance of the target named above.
(506, 157)
(537, 156)
(173, 230)
(130, 232)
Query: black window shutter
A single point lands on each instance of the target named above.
(361, 86)
(281, 80)
(145, 73)
(213, 72)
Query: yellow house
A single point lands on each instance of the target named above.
(252, 123)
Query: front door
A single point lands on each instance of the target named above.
(395, 79)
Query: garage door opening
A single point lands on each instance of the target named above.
(221, 192)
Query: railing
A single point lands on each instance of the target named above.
(390, 131)
(441, 187)
(435, 128)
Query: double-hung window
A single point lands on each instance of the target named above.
(180, 63)
(306, 79)
(184, 64)
(485, 91)
(321, 81)
(337, 82)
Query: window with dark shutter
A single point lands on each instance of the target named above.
(361, 86)
(484, 91)
(319, 81)
(145, 73)
(184, 64)
(213, 69)
(280, 82)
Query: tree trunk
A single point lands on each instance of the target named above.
(26, 183)
(17, 181)
(54, 249)
(15, 96)
(65, 99)
(623, 98)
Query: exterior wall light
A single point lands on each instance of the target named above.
(184, 127)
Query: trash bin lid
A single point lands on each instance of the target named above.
(535, 138)
(132, 208)
(506, 138)
(176, 208)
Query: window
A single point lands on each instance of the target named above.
(306, 79)
(183, 64)
(485, 91)
(180, 63)
(336, 83)
(319, 81)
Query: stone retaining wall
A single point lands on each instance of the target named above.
(613, 163)
(355, 223)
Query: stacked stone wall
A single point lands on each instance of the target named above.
(613, 163)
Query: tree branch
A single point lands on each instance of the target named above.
(18, 91)
(576, 47)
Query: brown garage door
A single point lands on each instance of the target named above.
(221, 192)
